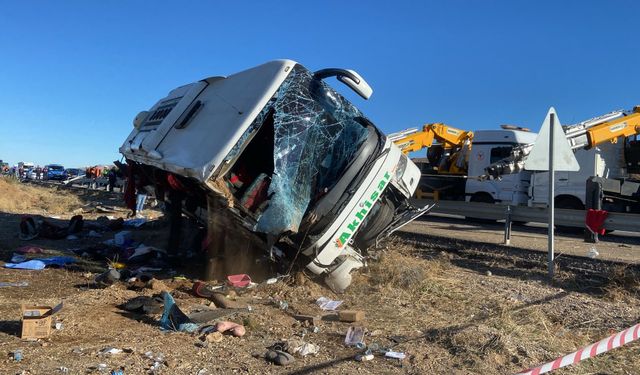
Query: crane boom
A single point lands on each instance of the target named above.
(455, 144)
(411, 140)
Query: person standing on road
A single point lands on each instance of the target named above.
(111, 175)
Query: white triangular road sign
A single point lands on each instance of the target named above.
(563, 157)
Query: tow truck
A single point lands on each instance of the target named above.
(274, 157)
(456, 157)
(608, 152)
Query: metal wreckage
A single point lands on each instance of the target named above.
(273, 158)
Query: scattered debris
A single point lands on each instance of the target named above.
(5, 284)
(235, 329)
(354, 336)
(28, 228)
(204, 290)
(593, 252)
(209, 314)
(41, 263)
(135, 223)
(327, 304)
(173, 319)
(18, 258)
(99, 207)
(395, 355)
(158, 361)
(282, 304)
(100, 367)
(110, 350)
(144, 304)
(222, 301)
(33, 265)
(306, 349)
(398, 339)
(29, 250)
(94, 234)
(17, 355)
(279, 357)
(106, 223)
(312, 319)
(239, 281)
(108, 277)
(123, 237)
(364, 357)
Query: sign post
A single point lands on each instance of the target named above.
(551, 202)
(551, 152)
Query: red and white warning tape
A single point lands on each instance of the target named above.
(611, 342)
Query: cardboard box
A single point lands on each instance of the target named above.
(314, 320)
(350, 315)
(36, 321)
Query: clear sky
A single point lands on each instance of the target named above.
(73, 74)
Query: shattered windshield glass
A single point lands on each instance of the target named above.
(317, 133)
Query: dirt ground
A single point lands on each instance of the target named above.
(442, 291)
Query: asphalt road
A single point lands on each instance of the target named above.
(616, 246)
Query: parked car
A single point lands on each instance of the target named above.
(30, 174)
(55, 172)
(73, 172)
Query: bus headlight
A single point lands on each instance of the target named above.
(401, 167)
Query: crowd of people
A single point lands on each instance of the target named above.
(24, 171)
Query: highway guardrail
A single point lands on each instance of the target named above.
(563, 217)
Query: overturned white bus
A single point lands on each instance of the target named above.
(298, 167)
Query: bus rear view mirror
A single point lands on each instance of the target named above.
(350, 78)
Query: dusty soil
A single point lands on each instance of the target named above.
(454, 304)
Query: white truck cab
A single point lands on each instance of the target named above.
(490, 146)
(299, 166)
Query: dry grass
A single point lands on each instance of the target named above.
(624, 282)
(19, 198)
(400, 267)
(474, 323)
